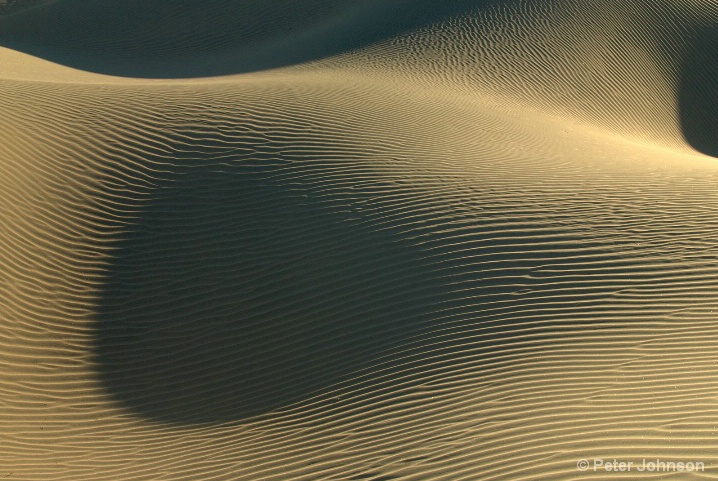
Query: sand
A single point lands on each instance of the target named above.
(357, 240)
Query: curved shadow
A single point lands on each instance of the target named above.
(235, 293)
(188, 38)
(699, 94)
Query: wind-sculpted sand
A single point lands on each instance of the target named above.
(366, 240)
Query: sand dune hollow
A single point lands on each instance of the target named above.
(396, 240)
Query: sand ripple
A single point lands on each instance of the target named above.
(481, 244)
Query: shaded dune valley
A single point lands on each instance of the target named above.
(334, 240)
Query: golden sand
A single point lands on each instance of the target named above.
(357, 240)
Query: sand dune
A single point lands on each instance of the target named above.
(357, 240)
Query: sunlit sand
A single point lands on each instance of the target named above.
(377, 240)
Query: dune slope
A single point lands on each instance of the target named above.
(477, 243)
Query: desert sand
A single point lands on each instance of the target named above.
(357, 240)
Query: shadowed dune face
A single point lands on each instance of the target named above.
(181, 38)
(233, 294)
(699, 94)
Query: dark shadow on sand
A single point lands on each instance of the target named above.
(190, 38)
(235, 293)
(699, 93)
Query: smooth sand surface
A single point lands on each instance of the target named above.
(338, 240)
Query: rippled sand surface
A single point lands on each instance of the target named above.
(357, 240)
